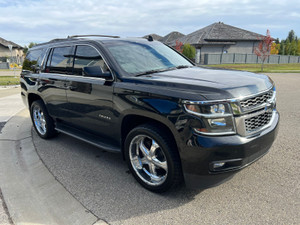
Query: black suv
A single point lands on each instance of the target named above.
(171, 120)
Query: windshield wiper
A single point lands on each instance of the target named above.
(161, 70)
(150, 72)
(182, 66)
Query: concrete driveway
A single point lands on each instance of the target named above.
(267, 192)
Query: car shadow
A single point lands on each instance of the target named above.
(102, 182)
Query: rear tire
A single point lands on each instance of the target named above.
(152, 158)
(42, 122)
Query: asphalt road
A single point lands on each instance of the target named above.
(267, 192)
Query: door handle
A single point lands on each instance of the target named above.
(42, 82)
(71, 88)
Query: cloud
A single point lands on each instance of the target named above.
(23, 21)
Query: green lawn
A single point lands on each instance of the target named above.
(268, 68)
(9, 80)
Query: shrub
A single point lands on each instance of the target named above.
(189, 51)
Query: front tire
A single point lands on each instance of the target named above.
(42, 122)
(152, 158)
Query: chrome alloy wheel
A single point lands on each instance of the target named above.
(148, 160)
(39, 120)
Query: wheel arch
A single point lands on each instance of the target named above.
(33, 97)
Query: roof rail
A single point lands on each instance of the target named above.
(93, 35)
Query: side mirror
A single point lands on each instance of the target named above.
(35, 68)
(95, 71)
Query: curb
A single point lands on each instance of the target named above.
(3, 87)
(30, 191)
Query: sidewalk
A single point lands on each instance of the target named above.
(30, 193)
(10, 103)
(10, 72)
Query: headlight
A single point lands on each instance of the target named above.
(216, 118)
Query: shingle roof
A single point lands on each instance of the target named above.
(173, 36)
(5, 43)
(155, 36)
(219, 33)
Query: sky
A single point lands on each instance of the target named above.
(25, 21)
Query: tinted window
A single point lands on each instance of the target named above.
(87, 56)
(33, 60)
(140, 57)
(60, 60)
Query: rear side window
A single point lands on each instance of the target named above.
(34, 59)
(60, 60)
(87, 56)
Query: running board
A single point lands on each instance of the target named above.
(86, 137)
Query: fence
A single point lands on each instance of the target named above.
(14, 59)
(4, 65)
(231, 58)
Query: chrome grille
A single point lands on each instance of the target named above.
(256, 101)
(257, 122)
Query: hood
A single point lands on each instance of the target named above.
(211, 84)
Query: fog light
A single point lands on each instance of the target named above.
(218, 165)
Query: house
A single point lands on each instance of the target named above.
(154, 36)
(16, 53)
(171, 37)
(221, 38)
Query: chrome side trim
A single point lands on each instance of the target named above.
(215, 134)
(59, 75)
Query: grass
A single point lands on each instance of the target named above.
(9, 80)
(268, 68)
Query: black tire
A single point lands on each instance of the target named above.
(44, 128)
(163, 165)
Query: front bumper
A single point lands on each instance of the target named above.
(200, 153)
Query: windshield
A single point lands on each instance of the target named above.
(137, 57)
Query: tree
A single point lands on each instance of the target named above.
(31, 44)
(293, 48)
(264, 48)
(178, 46)
(287, 49)
(189, 51)
(275, 48)
(282, 48)
(298, 47)
(291, 36)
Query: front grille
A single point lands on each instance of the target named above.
(257, 122)
(256, 101)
